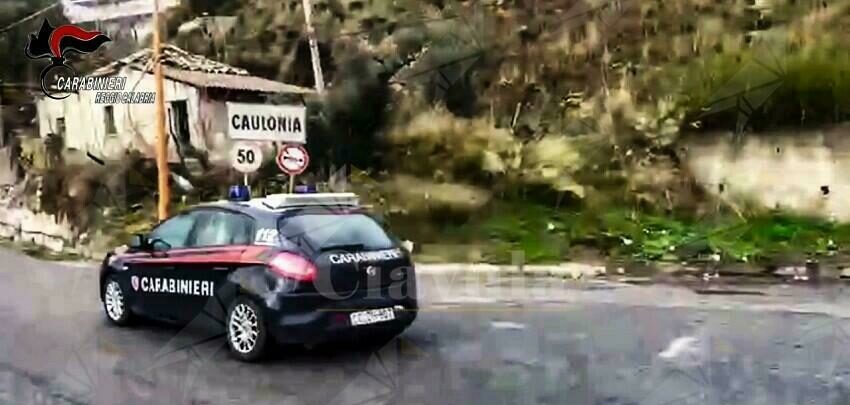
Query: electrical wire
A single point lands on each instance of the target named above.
(414, 23)
(39, 12)
(29, 17)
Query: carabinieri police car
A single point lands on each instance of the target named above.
(287, 268)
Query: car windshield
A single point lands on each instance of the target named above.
(324, 232)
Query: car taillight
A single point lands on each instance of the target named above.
(293, 266)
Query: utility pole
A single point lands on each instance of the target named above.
(161, 136)
(318, 77)
(2, 130)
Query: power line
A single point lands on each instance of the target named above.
(318, 76)
(29, 17)
(480, 51)
(405, 25)
(39, 12)
(470, 56)
(587, 10)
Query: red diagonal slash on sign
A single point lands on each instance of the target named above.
(289, 155)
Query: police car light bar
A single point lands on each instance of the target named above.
(239, 193)
(283, 201)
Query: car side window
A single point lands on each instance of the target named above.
(220, 228)
(241, 229)
(175, 231)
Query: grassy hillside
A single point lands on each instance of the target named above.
(615, 81)
(455, 118)
(485, 113)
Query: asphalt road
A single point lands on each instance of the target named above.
(489, 341)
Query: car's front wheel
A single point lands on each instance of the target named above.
(115, 302)
(247, 336)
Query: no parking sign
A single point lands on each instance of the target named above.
(293, 159)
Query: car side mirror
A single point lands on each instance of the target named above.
(407, 245)
(159, 245)
(138, 242)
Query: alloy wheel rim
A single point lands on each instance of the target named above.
(114, 300)
(243, 328)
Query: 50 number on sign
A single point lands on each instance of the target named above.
(246, 156)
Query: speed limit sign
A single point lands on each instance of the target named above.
(246, 157)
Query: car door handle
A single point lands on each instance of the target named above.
(221, 268)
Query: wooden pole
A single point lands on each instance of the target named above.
(161, 136)
(2, 131)
(318, 77)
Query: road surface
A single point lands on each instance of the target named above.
(488, 341)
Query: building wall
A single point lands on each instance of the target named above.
(8, 169)
(210, 132)
(85, 122)
(81, 11)
(129, 19)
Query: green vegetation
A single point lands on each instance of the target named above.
(784, 89)
(549, 235)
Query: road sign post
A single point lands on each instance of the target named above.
(292, 159)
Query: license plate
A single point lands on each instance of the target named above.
(372, 316)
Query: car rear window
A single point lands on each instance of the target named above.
(318, 232)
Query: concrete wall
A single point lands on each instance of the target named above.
(23, 225)
(783, 170)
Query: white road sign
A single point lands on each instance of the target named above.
(264, 122)
(246, 157)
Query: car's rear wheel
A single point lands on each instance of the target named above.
(247, 335)
(115, 302)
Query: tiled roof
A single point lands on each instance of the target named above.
(197, 70)
(234, 82)
(173, 57)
